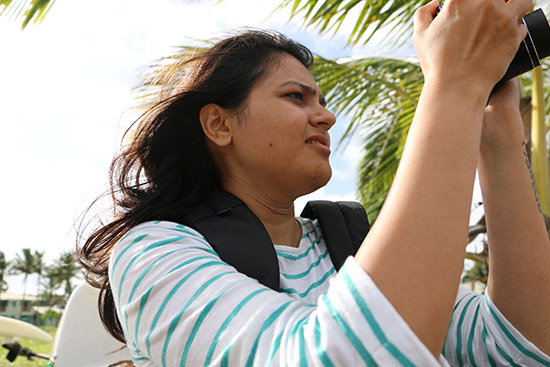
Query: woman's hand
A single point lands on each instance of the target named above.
(470, 44)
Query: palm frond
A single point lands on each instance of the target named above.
(25, 11)
(368, 17)
(380, 95)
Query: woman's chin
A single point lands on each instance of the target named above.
(317, 181)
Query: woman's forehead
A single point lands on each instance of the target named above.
(289, 70)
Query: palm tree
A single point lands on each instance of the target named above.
(38, 269)
(23, 264)
(380, 94)
(51, 283)
(4, 265)
(66, 269)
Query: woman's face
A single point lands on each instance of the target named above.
(280, 143)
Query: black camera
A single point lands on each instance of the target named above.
(534, 48)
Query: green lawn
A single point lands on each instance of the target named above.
(35, 346)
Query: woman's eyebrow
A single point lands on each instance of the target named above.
(307, 88)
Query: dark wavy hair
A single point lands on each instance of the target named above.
(166, 167)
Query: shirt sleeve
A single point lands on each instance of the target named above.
(480, 335)
(179, 304)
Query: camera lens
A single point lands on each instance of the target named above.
(535, 46)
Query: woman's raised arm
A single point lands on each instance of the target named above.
(519, 260)
(415, 250)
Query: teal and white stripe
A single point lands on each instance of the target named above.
(306, 268)
(483, 336)
(180, 305)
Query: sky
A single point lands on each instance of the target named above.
(66, 98)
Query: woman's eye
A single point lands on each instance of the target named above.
(296, 95)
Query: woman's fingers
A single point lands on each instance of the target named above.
(521, 7)
(470, 40)
(424, 15)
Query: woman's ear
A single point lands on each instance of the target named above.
(215, 121)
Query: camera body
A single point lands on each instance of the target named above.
(534, 48)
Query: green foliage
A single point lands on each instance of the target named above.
(61, 273)
(50, 314)
(369, 16)
(50, 284)
(380, 95)
(66, 268)
(24, 263)
(25, 11)
(4, 265)
(3, 287)
(478, 272)
(39, 265)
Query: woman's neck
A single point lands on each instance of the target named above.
(276, 215)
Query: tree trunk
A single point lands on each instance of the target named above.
(539, 156)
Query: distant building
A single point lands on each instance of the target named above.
(12, 305)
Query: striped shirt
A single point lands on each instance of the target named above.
(180, 305)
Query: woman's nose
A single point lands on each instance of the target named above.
(323, 117)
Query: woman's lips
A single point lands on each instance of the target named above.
(319, 141)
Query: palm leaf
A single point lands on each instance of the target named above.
(380, 96)
(25, 11)
(368, 17)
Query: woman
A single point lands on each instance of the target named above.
(249, 118)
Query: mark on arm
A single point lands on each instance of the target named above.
(531, 173)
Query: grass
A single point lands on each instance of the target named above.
(44, 348)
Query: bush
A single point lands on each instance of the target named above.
(50, 315)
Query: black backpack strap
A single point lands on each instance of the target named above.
(237, 236)
(344, 225)
(241, 240)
